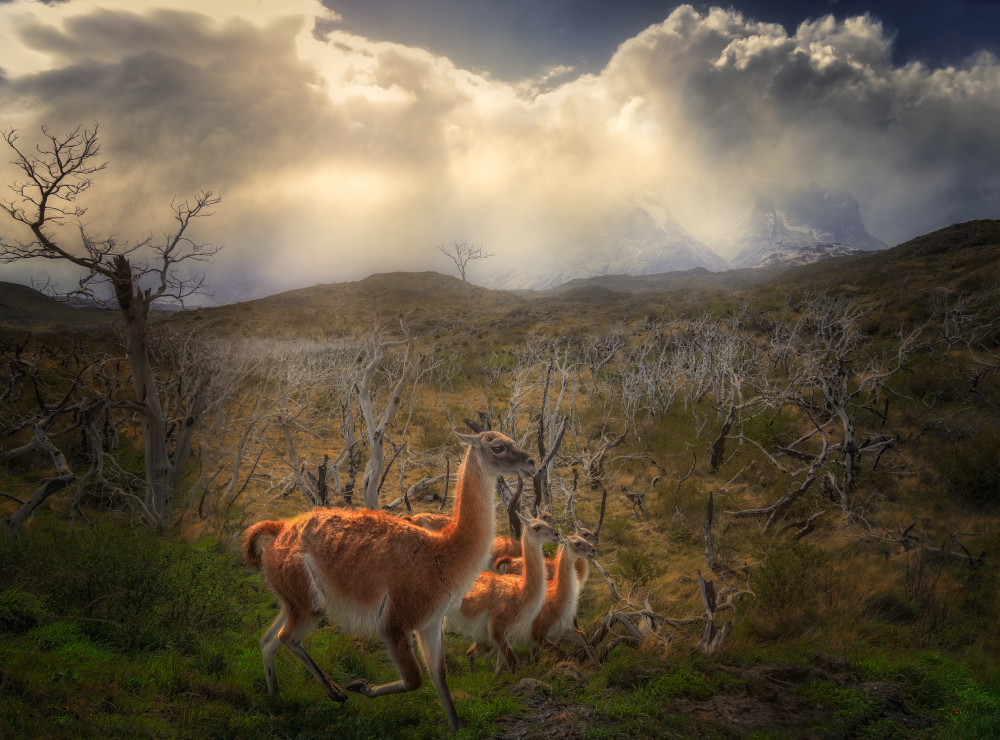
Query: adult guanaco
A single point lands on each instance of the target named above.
(498, 607)
(369, 572)
(556, 618)
(437, 522)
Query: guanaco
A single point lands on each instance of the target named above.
(499, 607)
(512, 566)
(510, 547)
(436, 521)
(373, 572)
(556, 619)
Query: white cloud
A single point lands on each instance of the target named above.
(339, 155)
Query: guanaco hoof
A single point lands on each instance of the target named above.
(360, 686)
(336, 693)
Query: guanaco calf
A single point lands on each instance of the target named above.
(499, 607)
(510, 547)
(373, 572)
(556, 619)
(511, 566)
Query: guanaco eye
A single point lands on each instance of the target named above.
(497, 448)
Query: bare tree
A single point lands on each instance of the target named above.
(832, 377)
(377, 422)
(56, 173)
(462, 253)
(38, 406)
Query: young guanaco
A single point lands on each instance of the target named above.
(558, 613)
(500, 609)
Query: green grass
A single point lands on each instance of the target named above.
(120, 632)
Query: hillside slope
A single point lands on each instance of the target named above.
(26, 309)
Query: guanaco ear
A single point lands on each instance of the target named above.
(468, 439)
(523, 518)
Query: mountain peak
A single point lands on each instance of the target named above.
(803, 224)
(642, 239)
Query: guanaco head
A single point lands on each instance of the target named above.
(538, 530)
(497, 453)
(580, 548)
(582, 531)
(546, 516)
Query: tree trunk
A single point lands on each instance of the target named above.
(850, 458)
(151, 422)
(134, 306)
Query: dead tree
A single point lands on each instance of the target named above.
(377, 422)
(595, 460)
(130, 277)
(642, 624)
(462, 253)
(638, 501)
(831, 379)
(44, 401)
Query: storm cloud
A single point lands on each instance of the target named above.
(339, 155)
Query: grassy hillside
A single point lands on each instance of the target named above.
(868, 608)
(344, 309)
(25, 309)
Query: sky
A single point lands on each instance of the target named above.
(349, 137)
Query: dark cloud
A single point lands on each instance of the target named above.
(825, 103)
(182, 102)
(340, 155)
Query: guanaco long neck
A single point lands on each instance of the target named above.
(469, 534)
(533, 578)
(565, 576)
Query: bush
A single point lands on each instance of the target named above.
(787, 599)
(20, 610)
(636, 566)
(770, 429)
(972, 468)
(132, 590)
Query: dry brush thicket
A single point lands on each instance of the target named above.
(770, 423)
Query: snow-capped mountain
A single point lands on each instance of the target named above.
(807, 255)
(643, 241)
(833, 217)
(808, 225)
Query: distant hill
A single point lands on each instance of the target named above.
(969, 252)
(696, 279)
(960, 257)
(24, 308)
(336, 310)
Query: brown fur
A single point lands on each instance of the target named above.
(512, 565)
(499, 605)
(508, 547)
(374, 572)
(562, 596)
(251, 548)
(428, 520)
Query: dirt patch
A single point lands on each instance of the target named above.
(765, 700)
